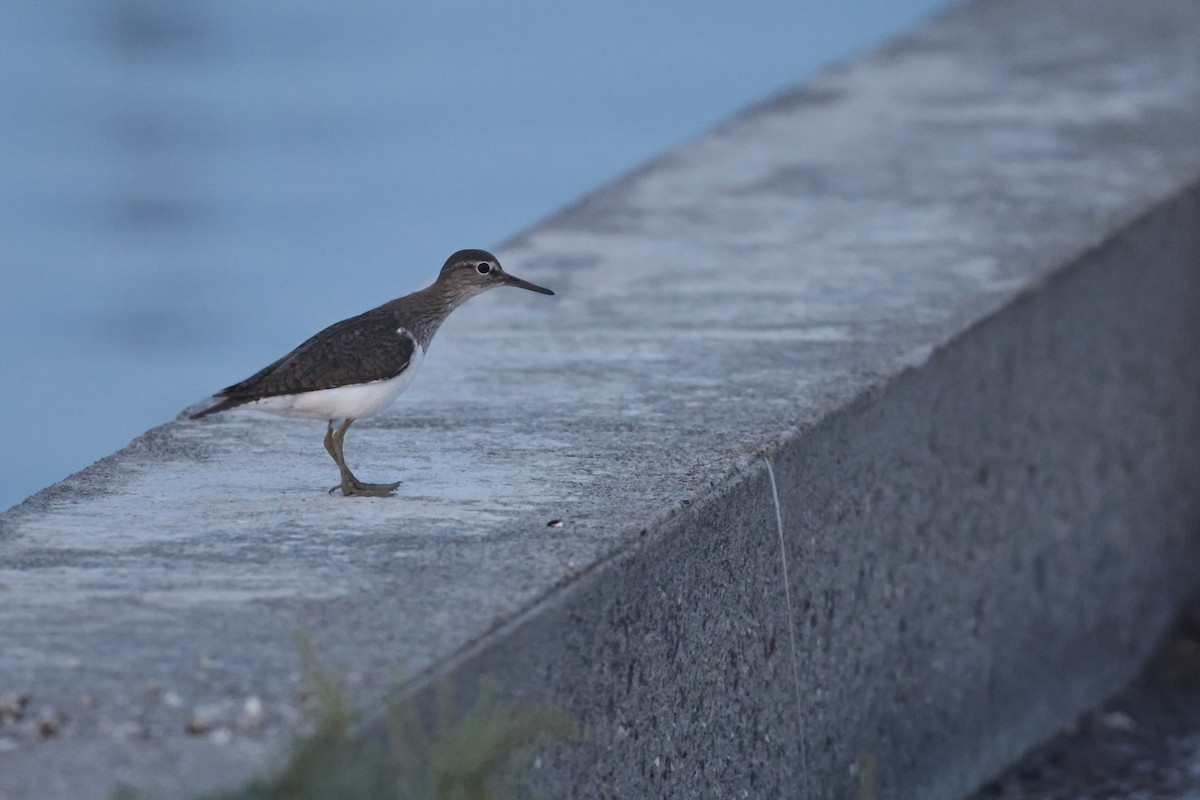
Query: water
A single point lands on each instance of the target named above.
(191, 188)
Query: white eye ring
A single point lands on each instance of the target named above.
(484, 268)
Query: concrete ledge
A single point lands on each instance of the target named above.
(978, 551)
(951, 291)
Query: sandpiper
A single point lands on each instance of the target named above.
(359, 366)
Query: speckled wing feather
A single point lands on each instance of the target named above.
(369, 347)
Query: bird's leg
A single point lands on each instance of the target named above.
(329, 444)
(334, 442)
(351, 485)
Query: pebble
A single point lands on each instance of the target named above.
(252, 715)
(205, 719)
(197, 726)
(12, 706)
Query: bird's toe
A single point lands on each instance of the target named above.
(359, 489)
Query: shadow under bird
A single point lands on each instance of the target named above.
(359, 366)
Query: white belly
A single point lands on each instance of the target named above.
(358, 400)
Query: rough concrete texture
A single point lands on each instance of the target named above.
(951, 289)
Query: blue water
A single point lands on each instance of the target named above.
(190, 188)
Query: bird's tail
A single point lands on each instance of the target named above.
(225, 404)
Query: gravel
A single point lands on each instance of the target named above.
(1142, 745)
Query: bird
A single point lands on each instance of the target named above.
(359, 366)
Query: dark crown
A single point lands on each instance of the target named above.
(466, 257)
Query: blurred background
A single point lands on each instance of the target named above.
(188, 189)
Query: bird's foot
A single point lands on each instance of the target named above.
(356, 488)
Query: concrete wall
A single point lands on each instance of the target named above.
(951, 290)
(978, 551)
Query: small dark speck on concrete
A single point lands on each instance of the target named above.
(554, 523)
(48, 726)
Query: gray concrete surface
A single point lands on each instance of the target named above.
(950, 288)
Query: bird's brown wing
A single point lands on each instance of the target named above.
(369, 347)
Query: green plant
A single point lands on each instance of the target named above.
(440, 755)
(866, 776)
(469, 756)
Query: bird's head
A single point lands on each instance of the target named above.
(471, 272)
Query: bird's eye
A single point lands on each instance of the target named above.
(484, 268)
